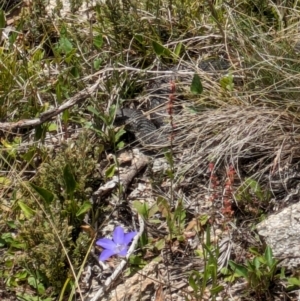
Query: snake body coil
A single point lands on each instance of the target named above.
(145, 130)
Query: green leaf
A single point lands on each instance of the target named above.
(46, 195)
(65, 46)
(28, 212)
(255, 188)
(203, 219)
(269, 257)
(38, 56)
(59, 92)
(254, 251)
(65, 115)
(52, 127)
(112, 112)
(26, 297)
(13, 37)
(141, 208)
(70, 55)
(196, 86)
(139, 38)
(161, 50)
(75, 72)
(207, 244)
(84, 208)
(160, 244)
(69, 180)
(21, 275)
(93, 110)
(119, 134)
(38, 132)
(158, 48)
(29, 156)
(282, 274)
(110, 172)
(178, 48)
(238, 269)
(180, 213)
(7, 237)
(170, 174)
(251, 268)
(2, 22)
(294, 281)
(19, 245)
(164, 206)
(137, 260)
(12, 224)
(120, 145)
(97, 64)
(194, 279)
(227, 83)
(103, 117)
(98, 41)
(217, 289)
(256, 263)
(10, 263)
(2, 19)
(36, 284)
(4, 182)
(143, 240)
(153, 210)
(2, 243)
(169, 158)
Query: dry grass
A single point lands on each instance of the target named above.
(235, 134)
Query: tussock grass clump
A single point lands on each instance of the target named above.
(236, 134)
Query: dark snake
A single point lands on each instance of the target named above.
(146, 130)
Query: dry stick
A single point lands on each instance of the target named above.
(48, 115)
(122, 68)
(124, 179)
(170, 113)
(122, 264)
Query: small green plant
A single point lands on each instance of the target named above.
(74, 210)
(31, 254)
(293, 283)
(251, 197)
(175, 219)
(48, 249)
(260, 272)
(199, 281)
(149, 214)
(107, 135)
(227, 83)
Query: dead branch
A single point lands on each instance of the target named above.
(48, 115)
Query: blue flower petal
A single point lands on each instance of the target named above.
(128, 237)
(118, 236)
(106, 243)
(106, 254)
(123, 252)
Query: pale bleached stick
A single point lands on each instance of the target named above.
(48, 115)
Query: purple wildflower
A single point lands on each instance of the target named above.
(117, 246)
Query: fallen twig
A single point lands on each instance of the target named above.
(124, 179)
(48, 115)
